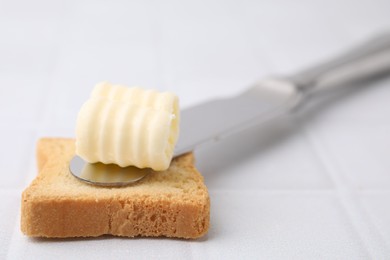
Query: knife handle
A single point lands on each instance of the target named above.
(365, 61)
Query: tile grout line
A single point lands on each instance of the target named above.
(275, 191)
(374, 243)
(13, 240)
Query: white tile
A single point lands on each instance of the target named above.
(22, 100)
(17, 148)
(279, 225)
(9, 208)
(120, 23)
(20, 60)
(286, 35)
(42, 10)
(29, 37)
(359, 153)
(109, 42)
(376, 204)
(295, 35)
(204, 44)
(23, 247)
(84, 65)
(273, 156)
(31, 24)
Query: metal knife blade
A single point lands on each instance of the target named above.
(212, 120)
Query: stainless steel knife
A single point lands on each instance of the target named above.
(266, 99)
(211, 120)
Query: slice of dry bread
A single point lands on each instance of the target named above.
(172, 203)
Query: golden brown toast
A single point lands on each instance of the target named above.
(171, 203)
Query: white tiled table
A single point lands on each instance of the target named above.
(313, 185)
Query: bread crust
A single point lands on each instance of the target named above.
(173, 203)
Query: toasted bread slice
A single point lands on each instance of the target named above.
(172, 203)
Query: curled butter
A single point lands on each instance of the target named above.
(128, 126)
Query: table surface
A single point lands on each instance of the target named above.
(315, 184)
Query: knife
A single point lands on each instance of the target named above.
(267, 99)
